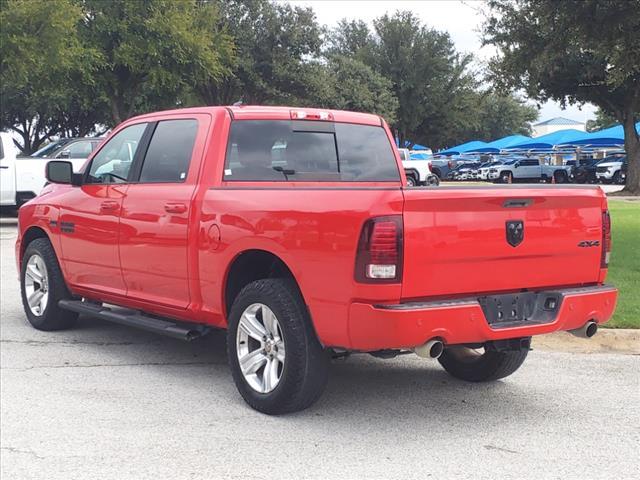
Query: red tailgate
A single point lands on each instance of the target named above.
(456, 239)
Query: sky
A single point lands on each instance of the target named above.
(461, 18)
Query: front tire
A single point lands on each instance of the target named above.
(471, 365)
(42, 287)
(277, 363)
(411, 181)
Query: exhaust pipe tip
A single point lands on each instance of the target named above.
(588, 330)
(431, 349)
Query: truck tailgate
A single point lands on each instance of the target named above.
(456, 240)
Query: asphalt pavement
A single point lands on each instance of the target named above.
(107, 402)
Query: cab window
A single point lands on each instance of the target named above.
(113, 163)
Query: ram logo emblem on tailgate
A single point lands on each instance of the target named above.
(515, 232)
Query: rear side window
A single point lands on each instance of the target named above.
(282, 150)
(169, 153)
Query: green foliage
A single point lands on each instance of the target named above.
(71, 66)
(272, 42)
(345, 83)
(152, 51)
(573, 52)
(43, 64)
(603, 120)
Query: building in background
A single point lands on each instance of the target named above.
(555, 124)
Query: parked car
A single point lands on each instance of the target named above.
(529, 169)
(181, 223)
(483, 171)
(584, 170)
(24, 177)
(610, 171)
(77, 149)
(20, 179)
(464, 171)
(417, 168)
(442, 165)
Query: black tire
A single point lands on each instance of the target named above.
(411, 181)
(560, 177)
(437, 173)
(306, 366)
(506, 177)
(52, 316)
(470, 365)
(617, 178)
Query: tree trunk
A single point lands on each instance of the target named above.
(632, 147)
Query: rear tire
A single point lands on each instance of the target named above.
(301, 374)
(42, 287)
(617, 178)
(470, 365)
(506, 177)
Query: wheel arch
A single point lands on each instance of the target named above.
(250, 265)
(32, 233)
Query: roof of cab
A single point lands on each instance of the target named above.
(257, 112)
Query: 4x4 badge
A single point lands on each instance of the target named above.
(515, 232)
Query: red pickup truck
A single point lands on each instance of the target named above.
(294, 229)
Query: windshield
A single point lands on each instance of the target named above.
(50, 148)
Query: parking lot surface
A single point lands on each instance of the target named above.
(108, 402)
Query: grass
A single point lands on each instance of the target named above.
(624, 267)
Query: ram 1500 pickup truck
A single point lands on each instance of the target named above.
(292, 229)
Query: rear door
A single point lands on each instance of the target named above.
(154, 224)
(528, 168)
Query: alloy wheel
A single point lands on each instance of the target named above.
(260, 348)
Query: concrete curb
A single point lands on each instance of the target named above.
(607, 340)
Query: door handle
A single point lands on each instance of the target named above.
(109, 205)
(175, 207)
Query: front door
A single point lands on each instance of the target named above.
(89, 221)
(154, 224)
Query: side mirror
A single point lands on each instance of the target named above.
(64, 154)
(59, 172)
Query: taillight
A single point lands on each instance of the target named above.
(379, 255)
(606, 239)
(450, 163)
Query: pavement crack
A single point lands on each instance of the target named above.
(500, 449)
(26, 452)
(100, 365)
(51, 342)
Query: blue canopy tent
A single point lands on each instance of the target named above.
(608, 137)
(465, 147)
(500, 144)
(420, 147)
(548, 141)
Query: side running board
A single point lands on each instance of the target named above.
(133, 318)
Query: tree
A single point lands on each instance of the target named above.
(274, 45)
(603, 120)
(42, 63)
(502, 115)
(573, 52)
(345, 83)
(152, 52)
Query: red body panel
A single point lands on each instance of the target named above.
(146, 251)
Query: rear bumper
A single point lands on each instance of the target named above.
(379, 327)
